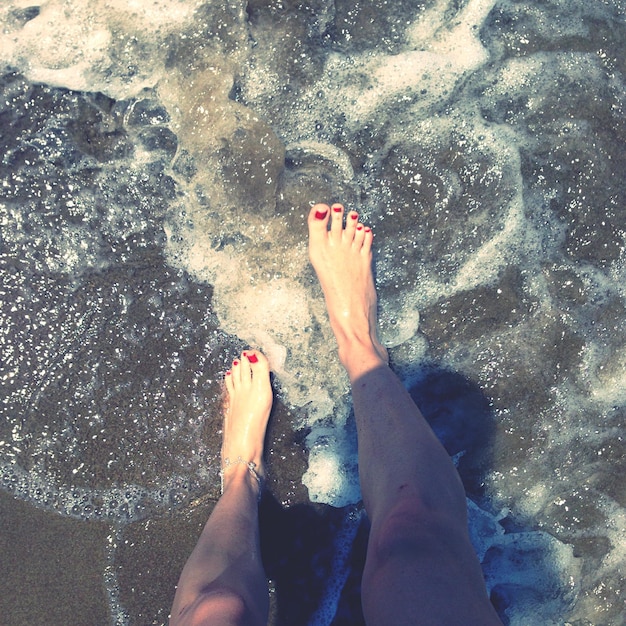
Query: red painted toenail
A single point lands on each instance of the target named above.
(228, 373)
(252, 358)
(320, 215)
(235, 362)
(359, 227)
(337, 209)
(368, 230)
(354, 216)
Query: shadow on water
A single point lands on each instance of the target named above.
(298, 542)
(297, 545)
(462, 419)
(518, 562)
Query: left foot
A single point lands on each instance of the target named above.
(247, 412)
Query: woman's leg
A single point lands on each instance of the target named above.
(421, 567)
(223, 582)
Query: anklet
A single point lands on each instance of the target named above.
(251, 468)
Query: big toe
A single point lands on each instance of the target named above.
(259, 366)
(318, 220)
(258, 361)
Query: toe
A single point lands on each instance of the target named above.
(336, 224)
(351, 223)
(259, 366)
(228, 381)
(318, 220)
(359, 235)
(368, 237)
(245, 368)
(235, 375)
(257, 359)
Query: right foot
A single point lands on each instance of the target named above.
(342, 259)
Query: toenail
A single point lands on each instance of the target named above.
(252, 358)
(367, 230)
(359, 227)
(228, 373)
(320, 215)
(235, 362)
(354, 216)
(337, 209)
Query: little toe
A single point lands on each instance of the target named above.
(228, 381)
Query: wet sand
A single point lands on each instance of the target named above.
(51, 567)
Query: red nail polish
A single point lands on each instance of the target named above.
(228, 373)
(235, 362)
(252, 358)
(354, 216)
(368, 230)
(320, 215)
(337, 209)
(359, 227)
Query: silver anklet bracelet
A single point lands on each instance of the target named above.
(251, 468)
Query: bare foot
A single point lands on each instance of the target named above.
(247, 411)
(342, 258)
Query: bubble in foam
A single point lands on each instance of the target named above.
(276, 308)
(332, 475)
(398, 323)
(118, 614)
(117, 504)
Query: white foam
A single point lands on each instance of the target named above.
(332, 475)
(544, 582)
(114, 47)
(459, 41)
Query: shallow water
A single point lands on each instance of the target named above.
(158, 164)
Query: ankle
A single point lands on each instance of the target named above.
(359, 357)
(241, 474)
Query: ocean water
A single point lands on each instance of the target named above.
(158, 162)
